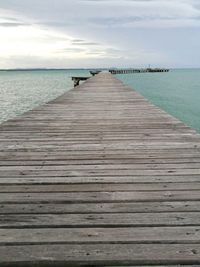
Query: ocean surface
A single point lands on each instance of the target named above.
(21, 91)
(177, 92)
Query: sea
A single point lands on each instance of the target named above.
(177, 91)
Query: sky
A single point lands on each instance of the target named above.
(99, 33)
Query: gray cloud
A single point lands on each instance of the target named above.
(81, 42)
(78, 41)
(85, 43)
(123, 21)
(13, 24)
(114, 21)
(139, 31)
(71, 50)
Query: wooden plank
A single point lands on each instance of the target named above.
(27, 162)
(84, 187)
(97, 167)
(102, 254)
(95, 208)
(133, 235)
(95, 155)
(100, 220)
(75, 179)
(102, 172)
(98, 197)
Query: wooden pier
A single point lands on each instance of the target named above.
(129, 71)
(99, 177)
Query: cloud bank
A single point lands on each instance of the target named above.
(88, 33)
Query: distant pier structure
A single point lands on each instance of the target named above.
(128, 71)
(78, 79)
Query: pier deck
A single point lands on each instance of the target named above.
(99, 176)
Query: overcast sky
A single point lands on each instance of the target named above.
(99, 33)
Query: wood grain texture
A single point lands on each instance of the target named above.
(102, 254)
(99, 177)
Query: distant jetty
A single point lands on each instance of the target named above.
(78, 79)
(128, 71)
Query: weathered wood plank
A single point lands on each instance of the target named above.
(133, 235)
(97, 167)
(98, 197)
(102, 254)
(101, 220)
(75, 179)
(102, 172)
(61, 162)
(98, 187)
(95, 208)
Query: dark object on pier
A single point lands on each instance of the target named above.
(95, 72)
(127, 71)
(78, 79)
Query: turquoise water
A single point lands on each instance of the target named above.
(177, 92)
(21, 91)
